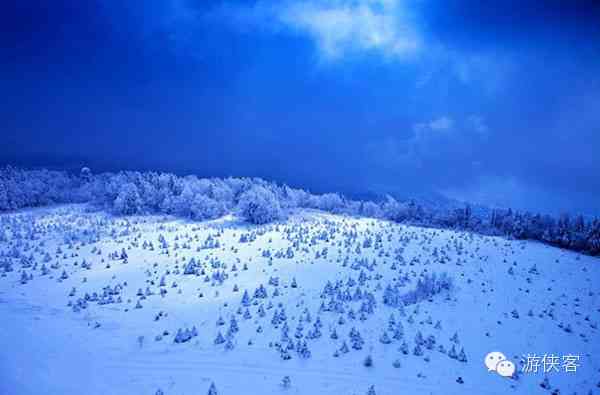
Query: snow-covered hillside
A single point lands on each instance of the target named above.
(317, 304)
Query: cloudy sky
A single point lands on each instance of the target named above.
(497, 103)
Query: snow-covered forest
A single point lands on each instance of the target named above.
(260, 201)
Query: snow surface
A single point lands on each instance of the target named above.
(52, 342)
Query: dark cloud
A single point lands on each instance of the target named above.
(496, 101)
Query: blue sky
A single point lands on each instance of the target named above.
(497, 103)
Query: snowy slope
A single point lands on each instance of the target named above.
(55, 340)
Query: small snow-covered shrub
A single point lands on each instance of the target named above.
(259, 205)
(428, 286)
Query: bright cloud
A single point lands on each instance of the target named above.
(443, 123)
(339, 27)
(424, 132)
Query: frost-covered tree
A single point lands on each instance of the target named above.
(393, 210)
(85, 174)
(328, 202)
(259, 205)
(371, 209)
(128, 200)
(212, 390)
(4, 205)
(202, 207)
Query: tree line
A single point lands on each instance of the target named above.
(260, 201)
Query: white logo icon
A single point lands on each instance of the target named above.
(492, 359)
(505, 368)
(496, 362)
